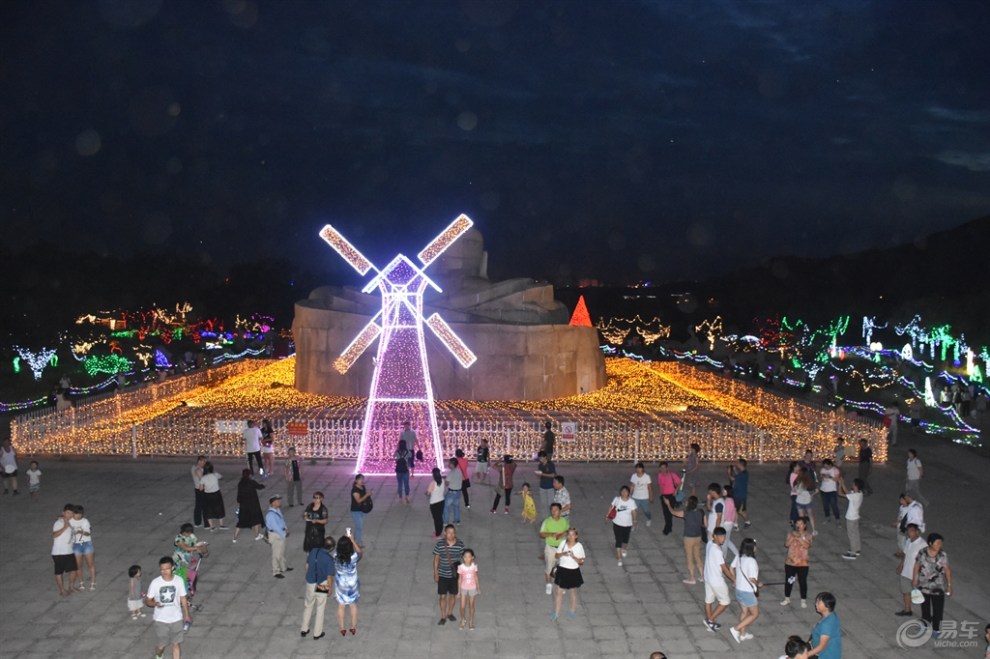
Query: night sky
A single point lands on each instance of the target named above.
(622, 140)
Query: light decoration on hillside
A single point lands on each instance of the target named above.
(659, 407)
(36, 361)
(712, 330)
(870, 324)
(110, 364)
(615, 336)
(401, 389)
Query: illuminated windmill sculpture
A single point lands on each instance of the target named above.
(400, 386)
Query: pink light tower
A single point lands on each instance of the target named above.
(400, 385)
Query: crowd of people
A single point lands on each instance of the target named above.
(923, 569)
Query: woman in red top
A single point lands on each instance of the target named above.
(668, 482)
(463, 466)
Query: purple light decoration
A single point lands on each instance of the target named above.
(400, 386)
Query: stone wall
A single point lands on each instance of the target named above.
(515, 362)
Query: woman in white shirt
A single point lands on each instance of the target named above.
(213, 509)
(747, 582)
(623, 522)
(642, 491)
(435, 490)
(570, 558)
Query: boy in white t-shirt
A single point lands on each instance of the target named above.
(642, 491)
(915, 472)
(34, 478)
(715, 587)
(855, 498)
(167, 595)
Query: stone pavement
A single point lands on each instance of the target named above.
(136, 507)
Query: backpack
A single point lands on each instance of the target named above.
(402, 463)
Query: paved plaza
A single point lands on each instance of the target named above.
(136, 507)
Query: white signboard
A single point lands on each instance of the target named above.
(568, 431)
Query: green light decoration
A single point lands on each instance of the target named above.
(54, 360)
(177, 333)
(124, 334)
(109, 364)
(17, 364)
(941, 336)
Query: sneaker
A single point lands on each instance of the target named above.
(619, 563)
(746, 526)
(735, 634)
(785, 602)
(904, 613)
(689, 582)
(716, 626)
(160, 656)
(258, 537)
(747, 637)
(849, 556)
(442, 621)
(936, 635)
(549, 589)
(468, 507)
(493, 511)
(234, 541)
(506, 510)
(708, 625)
(279, 576)
(648, 522)
(624, 552)
(804, 604)
(452, 618)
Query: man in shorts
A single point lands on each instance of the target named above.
(715, 586)
(167, 596)
(913, 544)
(446, 557)
(65, 559)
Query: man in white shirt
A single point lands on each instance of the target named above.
(252, 445)
(716, 507)
(715, 587)
(167, 595)
(855, 498)
(909, 512)
(409, 435)
(915, 472)
(913, 543)
(65, 560)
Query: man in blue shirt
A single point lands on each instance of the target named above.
(826, 637)
(277, 533)
(546, 471)
(319, 572)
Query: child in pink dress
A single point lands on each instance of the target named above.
(468, 585)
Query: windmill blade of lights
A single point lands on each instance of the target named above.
(447, 337)
(360, 343)
(346, 250)
(445, 239)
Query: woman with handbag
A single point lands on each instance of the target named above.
(360, 505)
(933, 577)
(622, 514)
(748, 584)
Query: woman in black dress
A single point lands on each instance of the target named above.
(249, 516)
(316, 516)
